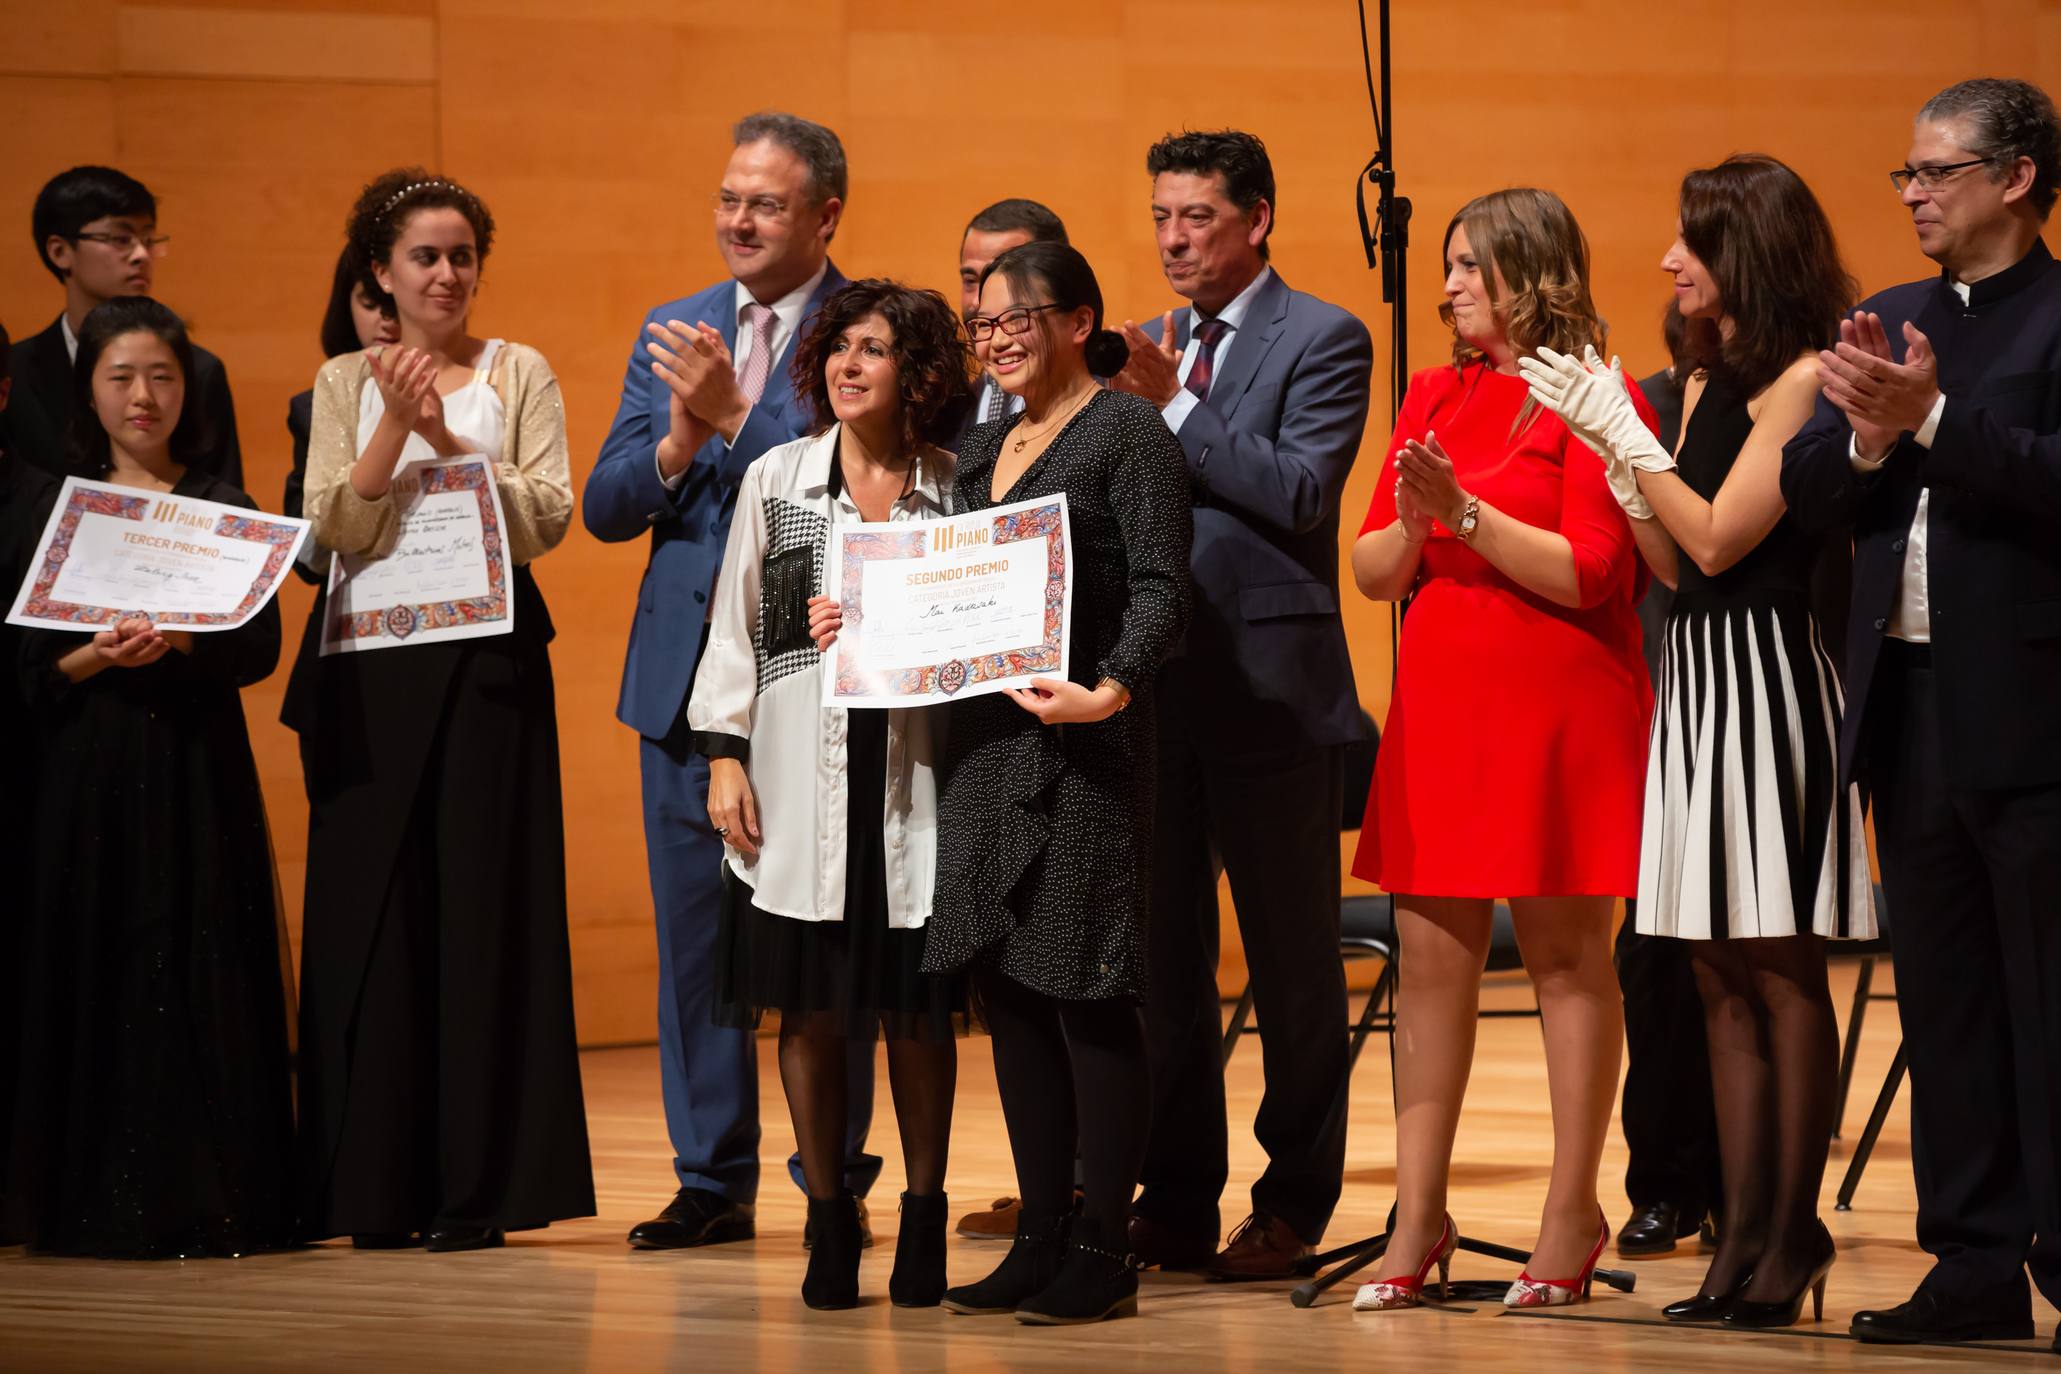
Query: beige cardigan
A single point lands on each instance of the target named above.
(531, 470)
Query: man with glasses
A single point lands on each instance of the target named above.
(96, 231)
(1267, 390)
(706, 392)
(1938, 440)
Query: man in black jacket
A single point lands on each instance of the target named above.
(1939, 440)
(96, 231)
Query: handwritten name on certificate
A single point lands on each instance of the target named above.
(448, 576)
(954, 607)
(109, 553)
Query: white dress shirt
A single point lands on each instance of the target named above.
(1233, 315)
(787, 313)
(1911, 618)
(796, 757)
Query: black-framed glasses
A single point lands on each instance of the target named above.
(125, 244)
(1011, 322)
(1933, 177)
(727, 204)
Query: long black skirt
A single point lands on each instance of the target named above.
(865, 973)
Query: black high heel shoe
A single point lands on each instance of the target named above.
(1706, 1307)
(1762, 1315)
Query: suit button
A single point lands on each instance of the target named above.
(1881, 622)
(1897, 547)
(701, 596)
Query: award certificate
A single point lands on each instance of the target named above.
(110, 553)
(935, 609)
(448, 576)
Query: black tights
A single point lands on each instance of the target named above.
(922, 1072)
(1071, 1073)
(1774, 1064)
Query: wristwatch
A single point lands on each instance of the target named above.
(1123, 693)
(1470, 516)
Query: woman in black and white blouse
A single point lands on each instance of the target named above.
(829, 816)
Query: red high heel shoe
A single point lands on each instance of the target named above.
(1531, 1292)
(1407, 1290)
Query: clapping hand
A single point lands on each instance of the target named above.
(132, 643)
(1425, 478)
(696, 366)
(404, 377)
(1595, 404)
(1412, 517)
(1882, 398)
(1153, 369)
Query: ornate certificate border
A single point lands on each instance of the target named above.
(81, 499)
(396, 623)
(1043, 519)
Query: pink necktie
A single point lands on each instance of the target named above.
(759, 365)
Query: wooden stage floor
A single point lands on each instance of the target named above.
(574, 1298)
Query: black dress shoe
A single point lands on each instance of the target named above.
(1926, 1317)
(1705, 1307)
(1158, 1246)
(445, 1239)
(1655, 1228)
(1760, 1315)
(695, 1216)
(386, 1240)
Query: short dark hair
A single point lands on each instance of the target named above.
(386, 203)
(339, 325)
(1059, 270)
(816, 146)
(1019, 216)
(72, 200)
(931, 355)
(2007, 119)
(103, 324)
(1240, 158)
(1773, 258)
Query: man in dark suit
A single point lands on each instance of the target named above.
(1938, 439)
(994, 231)
(96, 230)
(1267, 389)
(706, 392)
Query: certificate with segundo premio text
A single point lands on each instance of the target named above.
(936, 609)
(111, 553)
(447, 576)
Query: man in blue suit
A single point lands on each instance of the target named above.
(706, 392)
(1267, 389)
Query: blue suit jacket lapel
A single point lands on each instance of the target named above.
(1262, 327)
(779, 398)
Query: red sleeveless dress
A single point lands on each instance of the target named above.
(1513, 762)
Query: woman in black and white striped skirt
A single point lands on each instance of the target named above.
(1752, 848)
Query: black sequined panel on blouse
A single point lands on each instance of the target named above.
(793, 572)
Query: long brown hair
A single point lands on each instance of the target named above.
(1770, 252)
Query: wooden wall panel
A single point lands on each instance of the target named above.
(597, 133)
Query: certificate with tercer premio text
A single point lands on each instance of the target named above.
(936, 609)
(112, 553)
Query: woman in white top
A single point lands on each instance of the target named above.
(439, 1074)
(829, 816)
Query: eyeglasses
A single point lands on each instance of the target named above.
(728, 204)
(1011, 322)
(1931, 178)
(125, 244)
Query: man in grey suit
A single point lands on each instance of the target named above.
(1267, 389)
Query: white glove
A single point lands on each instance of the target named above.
(1595, 403)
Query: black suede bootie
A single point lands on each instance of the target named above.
(1031, 1264)
(919, 1275)
(833, 1278)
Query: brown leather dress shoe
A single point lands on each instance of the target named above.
(1262, 1247)
(1162, 1247)
(997, 1221)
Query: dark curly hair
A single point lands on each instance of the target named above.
(90, 452)
(1770, 252)
(1238, 157)
(384, 205)
(935, 365)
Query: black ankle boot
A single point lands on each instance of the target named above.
(919, 1276)
(1031, 1264)
(833, 1278)
(1092, 1284)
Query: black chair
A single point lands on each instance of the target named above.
(1868, 952)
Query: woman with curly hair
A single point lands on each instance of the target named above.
(1512, 762)
(439, 1074)
(829, 816)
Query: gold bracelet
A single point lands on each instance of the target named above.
(1123, 693)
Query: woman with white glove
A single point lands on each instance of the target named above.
(1750, 848)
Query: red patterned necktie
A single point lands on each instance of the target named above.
(759, 365)
(1206, 334)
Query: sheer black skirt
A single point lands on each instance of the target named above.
(860, 970)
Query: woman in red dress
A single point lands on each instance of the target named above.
(1514, 757)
